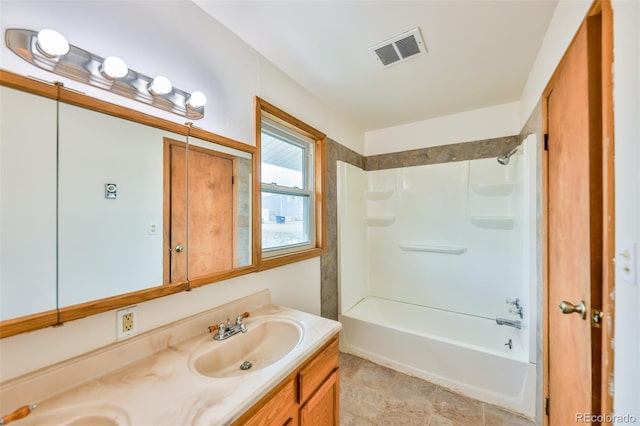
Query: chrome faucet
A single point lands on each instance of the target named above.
(509, 322)
(224, 331)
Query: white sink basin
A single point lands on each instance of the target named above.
(265, 342)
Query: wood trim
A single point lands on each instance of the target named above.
(28, 323)
(29, 85)
(321, 193)
(221, 140)
(78, 99)
(221, 276)
(103, 305)
(608, 188)
(320, 185)
(166, 207)
(545, 263)
(211, 151)
(257, 193)
(234, 211)
(288, 120)
(285, 259)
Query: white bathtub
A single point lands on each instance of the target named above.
(464, 353)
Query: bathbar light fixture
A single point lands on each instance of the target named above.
(50, 51)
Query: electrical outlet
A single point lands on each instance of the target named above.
(127, 322)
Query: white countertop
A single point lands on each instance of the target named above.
(164, 388)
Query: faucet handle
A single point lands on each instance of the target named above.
(515, 302)
(211, 329)
(240, 317)
(517, 311)
(243, 316)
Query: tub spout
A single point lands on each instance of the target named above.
(510, 323)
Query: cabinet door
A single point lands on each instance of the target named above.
(323, 408)
(281, 410)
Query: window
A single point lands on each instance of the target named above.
(291, 182)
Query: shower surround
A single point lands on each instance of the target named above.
(448, 243)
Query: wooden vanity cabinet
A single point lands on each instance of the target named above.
(310, 396)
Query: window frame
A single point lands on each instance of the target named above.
(270, 258)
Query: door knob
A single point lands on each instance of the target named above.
(569, 308)
(179, 248)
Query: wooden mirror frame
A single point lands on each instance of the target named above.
(58, 92)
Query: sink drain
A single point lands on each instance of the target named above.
(245, 365)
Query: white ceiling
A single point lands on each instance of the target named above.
(479, 52)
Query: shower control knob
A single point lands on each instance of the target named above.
(569, 308)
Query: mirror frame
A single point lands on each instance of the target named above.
(59, 316)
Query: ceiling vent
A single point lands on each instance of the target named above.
(399, 48)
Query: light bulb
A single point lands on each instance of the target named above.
(51, 43)
(160, 86)
(113, 68)
(196, 100)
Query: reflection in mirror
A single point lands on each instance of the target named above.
(112, 202)
(94, 207)
(219, 208)
(28, 200)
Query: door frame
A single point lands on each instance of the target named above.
(602, 7)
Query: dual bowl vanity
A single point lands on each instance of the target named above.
(180, 375)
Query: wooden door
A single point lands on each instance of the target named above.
(574, 225)
(211, 212)
(175, 212)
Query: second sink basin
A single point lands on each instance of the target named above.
(265, 342)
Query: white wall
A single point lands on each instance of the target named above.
(563, 26)
(178, 40)
(485, 123)
(197, 53)
(627, 177)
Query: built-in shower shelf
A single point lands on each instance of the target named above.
(493, 189)
(493, 222)
(378, 195)
(431, 248)
(380, 220)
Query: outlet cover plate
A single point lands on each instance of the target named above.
(126, 322)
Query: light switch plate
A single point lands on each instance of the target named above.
(626, 261)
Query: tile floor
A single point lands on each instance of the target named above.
(371, 394)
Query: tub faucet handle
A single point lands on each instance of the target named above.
(517, 311)
(515, 302)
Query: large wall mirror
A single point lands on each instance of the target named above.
(104, 206)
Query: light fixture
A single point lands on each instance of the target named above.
(50, 51)
(114, 68)
(51, 43)
(196, 100)
(160, 86)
